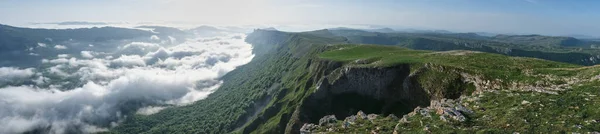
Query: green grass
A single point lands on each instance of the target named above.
(299, 61)
(491, 66)
(504, 111)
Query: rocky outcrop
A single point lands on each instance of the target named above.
(350, 90)
(373, 90)
(446, 109)
(327, 120)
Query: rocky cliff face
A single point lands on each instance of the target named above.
(346, 90)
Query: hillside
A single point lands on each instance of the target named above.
(540, 40)
(562, 49)
(27, 46)
(297, 79)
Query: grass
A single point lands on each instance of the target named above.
(491, 66)
(295, 65)
(503, 111)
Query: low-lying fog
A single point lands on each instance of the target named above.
(90, 91)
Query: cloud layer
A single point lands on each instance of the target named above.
(95, 92)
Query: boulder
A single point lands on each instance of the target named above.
(308, 128)
(372, 116)
(404, 119)
(327, 120)
(350, 119)
(463, 109)
(361, 115)
(392, 116)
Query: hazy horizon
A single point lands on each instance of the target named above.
(546, 17)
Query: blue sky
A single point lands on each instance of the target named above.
(552, 17)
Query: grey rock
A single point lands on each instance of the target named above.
(361, 61)
(372, 116)
(454, 114)
(424, 112)
(463, 109)
(404, 119)
(361, 115)
(393, 117)
(327, 120)
(443, 118)
(308, 128)
(350, 119)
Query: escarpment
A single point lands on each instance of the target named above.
(390, 90)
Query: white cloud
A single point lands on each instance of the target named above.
(149, 110)
(87, 54)
(63, 55)
(11, 74)
(58, 47)
(40, 80)
(172, 39)
(128, 61)
(178, 75)
(154, 37)
(138, 48)
(42, 44)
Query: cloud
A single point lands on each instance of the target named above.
(41, 45)
(128, 61)
(154, 37)
(137, 48)
(149, 110)
(11, 74)
(63, 56)
(59, 47)
(93, 94)
(87, 54)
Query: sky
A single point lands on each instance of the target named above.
(549, 17)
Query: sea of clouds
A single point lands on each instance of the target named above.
(92, 91)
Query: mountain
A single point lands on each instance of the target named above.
(210, 31)
(270, 28)
(81, 23)
(314, 82)
(20, 46)
(540, 40)
(581, 36)
(563, 49)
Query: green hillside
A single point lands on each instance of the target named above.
(296, 79)
(562, 49)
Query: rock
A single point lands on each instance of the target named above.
(454, 114)
(404, 119)
(424, 112)
(308, 128)
(396, 128)
(426, 128)
(327, 120)
(392, 116)
(361, 61)
(524, 102)
(463, 109)
(330, 130)
(443, 118)
(361, 115)
(372, 116)
(350, 119)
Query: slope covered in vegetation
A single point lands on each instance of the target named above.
(316, 82)
(562, 49)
